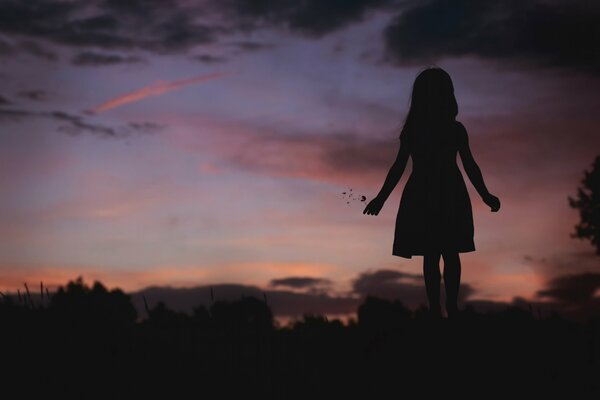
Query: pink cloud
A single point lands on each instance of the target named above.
(153, 90)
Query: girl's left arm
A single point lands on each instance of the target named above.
(391, 180)
(395, 172)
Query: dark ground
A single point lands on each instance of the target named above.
(88, 343)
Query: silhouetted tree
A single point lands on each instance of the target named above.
(164, 317)
(588, 204)
(316, 322)
(248, 312)
(201, 316)
(380, 313)
(81, 304)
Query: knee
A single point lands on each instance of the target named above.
(431, 269)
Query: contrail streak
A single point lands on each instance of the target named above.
(154, 90)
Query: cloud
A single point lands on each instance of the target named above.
(251, 46)
(36, 49)
(564, 263)
(382, 276)
(310, 18)
(295, 304)
(6, 48)
(158, 26)
(27, 46)
(392, 284)
(209, 59)
(4, 101)
(90, 59)
(75, 124)
(304, 282)
(36, 95)
(573, 288)
(561, 295)
(562, 34)
(542, 33)
(146, 126)
(326, 156)
(16, 114)
(340, 157)
(171, 26)
(283, 303)
(154, 90)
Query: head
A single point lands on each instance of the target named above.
(432, 100)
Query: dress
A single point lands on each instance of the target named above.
(435, 213)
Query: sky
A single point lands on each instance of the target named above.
(185, 144)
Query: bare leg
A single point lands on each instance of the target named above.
(431, 274)
(451, 281)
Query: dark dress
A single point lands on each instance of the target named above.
(435, 212)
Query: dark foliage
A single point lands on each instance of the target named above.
(79, 304)
(376, 313)
(86, 343)
(588, 204)
(249, 313)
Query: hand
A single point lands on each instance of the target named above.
(492, 201)
(374, 206)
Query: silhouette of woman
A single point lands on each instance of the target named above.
(434, 218)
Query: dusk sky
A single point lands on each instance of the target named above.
(191, 143)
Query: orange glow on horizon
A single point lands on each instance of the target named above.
(253, 273)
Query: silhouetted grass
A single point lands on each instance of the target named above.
(91, 343)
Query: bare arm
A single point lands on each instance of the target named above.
(395, 172)
(474, 172)
(391, 180)
(472, 169)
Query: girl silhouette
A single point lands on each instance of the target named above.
(435, 218)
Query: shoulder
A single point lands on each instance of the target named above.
(406, 135)
(460, 127)
(461, 132)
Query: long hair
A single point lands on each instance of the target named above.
(432, 102)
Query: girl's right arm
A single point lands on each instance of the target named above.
(474, 172)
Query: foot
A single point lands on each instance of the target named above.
(435, 313)
(452, 312)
